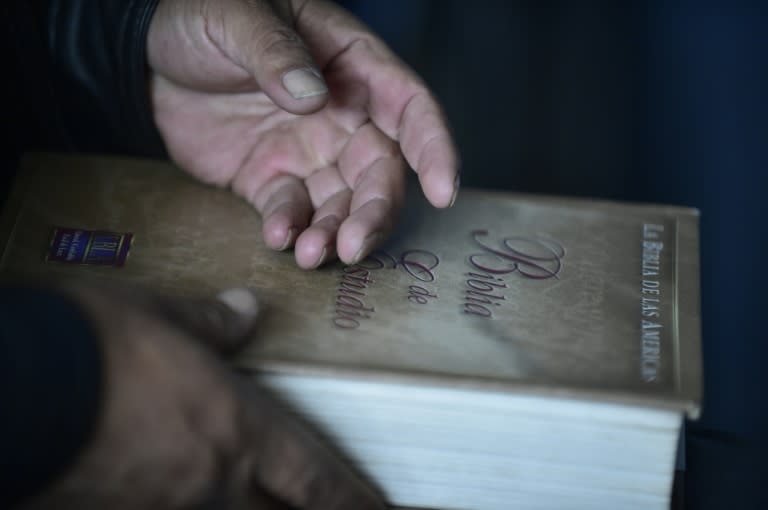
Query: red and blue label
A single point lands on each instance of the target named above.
(90, 247)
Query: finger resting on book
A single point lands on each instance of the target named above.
(375, 205)
(365, 229)
(438, 170)
(383, 179)
(224, 323)
(317, 244)
(286, 211)
(429, 148)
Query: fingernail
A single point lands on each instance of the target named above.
(240, 300)
(456, 186)
(321, 258)
(290, 236)
(368, 245)
(304, 83)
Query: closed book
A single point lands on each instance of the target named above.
(513, 351)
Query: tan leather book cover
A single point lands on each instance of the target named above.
(510, 292)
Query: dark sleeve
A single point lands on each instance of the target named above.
(50, 388)
(80, 70)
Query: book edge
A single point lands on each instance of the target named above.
(688, 314)
(470, 383)
(586, 201)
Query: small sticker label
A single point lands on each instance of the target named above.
(91, 247)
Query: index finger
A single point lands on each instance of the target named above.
(291, 464)
(398, 102)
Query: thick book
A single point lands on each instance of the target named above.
(513, 351)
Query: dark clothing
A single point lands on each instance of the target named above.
(81, 75)
(77, 72)
(50, 388)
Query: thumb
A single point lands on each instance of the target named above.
(224, 323)
(268, 48)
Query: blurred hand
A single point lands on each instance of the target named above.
(302, 111)
(177, 431)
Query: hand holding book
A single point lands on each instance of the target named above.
(511, 348)
(310, 126)
(177, 428)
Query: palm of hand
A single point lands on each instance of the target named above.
(329, 182)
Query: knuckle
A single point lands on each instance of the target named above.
(278, 39)
(362, 43)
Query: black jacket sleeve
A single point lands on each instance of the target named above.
(81, 75)
(50, 388)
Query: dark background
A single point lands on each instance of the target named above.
(651, 101)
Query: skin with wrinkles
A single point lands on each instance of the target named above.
(327, 172)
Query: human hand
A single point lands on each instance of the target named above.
(178, 432)
(302, 111)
